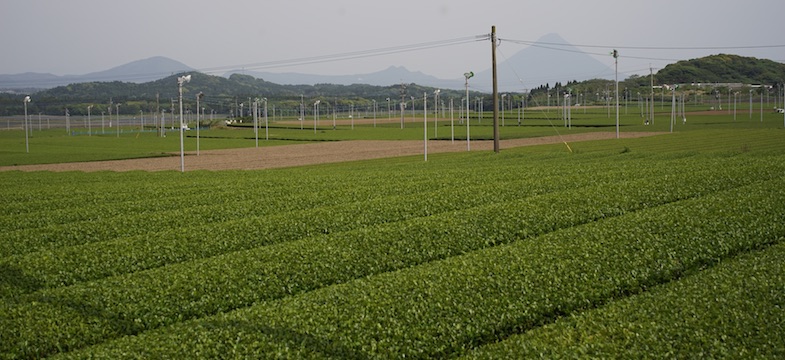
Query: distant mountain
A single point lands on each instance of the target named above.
(393, 75)
(549, 60)
(138, 71)
(32, 80)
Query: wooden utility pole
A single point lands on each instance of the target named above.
(495, 93)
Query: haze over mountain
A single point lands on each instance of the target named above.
(139, 71)
(535, 65)
(549, 60)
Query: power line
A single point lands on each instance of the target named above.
(525, 42)
(285, 62)
(585, 52)
(351, 55)
(555, 47)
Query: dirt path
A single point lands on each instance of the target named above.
(306, 154)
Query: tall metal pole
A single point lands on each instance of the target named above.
(199, 97)
(267, 123)
(315, 114)
(403, 102)
(568, 103)
(182, 153)
(651, 79)
(435, 113)
(157, 111)
(403, 109)
(673, 106)
(616, 62)
(467, 75)
(735, 96)
(89, 123)
(503, 96)
(27, 142)
(729, 89)
(413, 115)
(180, 81)
(425, 122)
(117, 113)
(255, 107)
(452, 124)
(495, 92)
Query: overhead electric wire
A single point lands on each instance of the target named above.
(526, 42)
(550, 46)
(298, 61)
(547, 117)
(585, 52)
(351, 55)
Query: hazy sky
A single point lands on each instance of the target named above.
(82, 36)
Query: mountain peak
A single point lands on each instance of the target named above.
(535, 65)
(552, 38)
(142, 70)
(138, 71)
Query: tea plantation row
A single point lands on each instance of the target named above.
(731, 311)
(447, 307)
(377, 259)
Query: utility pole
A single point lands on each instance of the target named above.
(495, 92)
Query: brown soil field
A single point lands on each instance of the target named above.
(306, 154)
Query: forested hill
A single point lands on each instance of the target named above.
(219, 93)
(723, 68)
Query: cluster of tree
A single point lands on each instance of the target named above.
(723, 68)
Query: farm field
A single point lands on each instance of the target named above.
(536, 251)
(55, 145)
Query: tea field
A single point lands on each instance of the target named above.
(667, 246)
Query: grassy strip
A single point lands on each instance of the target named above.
(445, 308)
(733, 310)
(131, 304)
